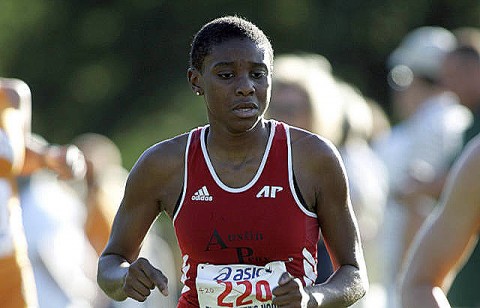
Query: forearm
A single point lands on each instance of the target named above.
(34, 160)
(36, 150)
(424, 296)
(346, 286)
(112, 270)
(66, 161)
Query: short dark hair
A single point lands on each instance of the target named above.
(223, 29)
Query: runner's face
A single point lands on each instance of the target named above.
(236, 81)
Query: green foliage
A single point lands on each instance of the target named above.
(118, 67)
(186, 111)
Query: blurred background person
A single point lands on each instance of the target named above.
(368, 182)
(427, 135)
(68, 223)
(468, 36)
(62, 258)
(101, 193)
(103, 187)
(381, 124)
(461, 74)
(20, 155)
(306, 94)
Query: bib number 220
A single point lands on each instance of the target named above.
(262, 293)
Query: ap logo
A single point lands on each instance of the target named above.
(269, 191)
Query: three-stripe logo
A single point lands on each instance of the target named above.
(202, 195)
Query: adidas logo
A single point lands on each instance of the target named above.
(202, 195)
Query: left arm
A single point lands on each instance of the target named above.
(349, 282)
(447, 238)
(323, 180)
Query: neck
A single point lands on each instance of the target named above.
(238, 148)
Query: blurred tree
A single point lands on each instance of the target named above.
(118, 67)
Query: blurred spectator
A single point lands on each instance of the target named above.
(461, 74)
(62, 258)
(296, 100)
(368, 177)
(468, 36)
(306, 94)
(380, 121)
(103, 189)
(63, 235)
(20, 155)
(67, 227)
(368, 183)
(421, 145)
(102, 193)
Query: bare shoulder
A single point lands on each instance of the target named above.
(164, 155)
(312, 148)
(158, 173)
(318, 169)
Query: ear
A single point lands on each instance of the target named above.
(194, 78)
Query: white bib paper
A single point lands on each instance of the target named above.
(237, 285)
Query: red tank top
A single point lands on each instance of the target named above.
(260, 222)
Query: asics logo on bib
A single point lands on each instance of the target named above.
(228, 273)
(202, 195)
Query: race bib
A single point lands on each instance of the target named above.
(238, 285)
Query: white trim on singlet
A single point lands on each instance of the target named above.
(185, 173)
(290, 176)
(259, 171)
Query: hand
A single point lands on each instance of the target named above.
(67, 161)
(141, 278)
(290, 292)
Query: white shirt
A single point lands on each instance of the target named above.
(425, 143)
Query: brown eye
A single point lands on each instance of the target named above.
(225, 75)
(259, 74)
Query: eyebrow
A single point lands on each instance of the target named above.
(221, 64)
(227, 64)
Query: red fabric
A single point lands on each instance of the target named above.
(236, 226)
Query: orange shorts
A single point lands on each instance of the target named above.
(17, 286)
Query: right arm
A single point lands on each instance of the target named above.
(153, 186)
(447, 238)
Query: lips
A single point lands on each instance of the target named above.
(245, 110)
(245, 105)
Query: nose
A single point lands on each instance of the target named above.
(245, 86)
